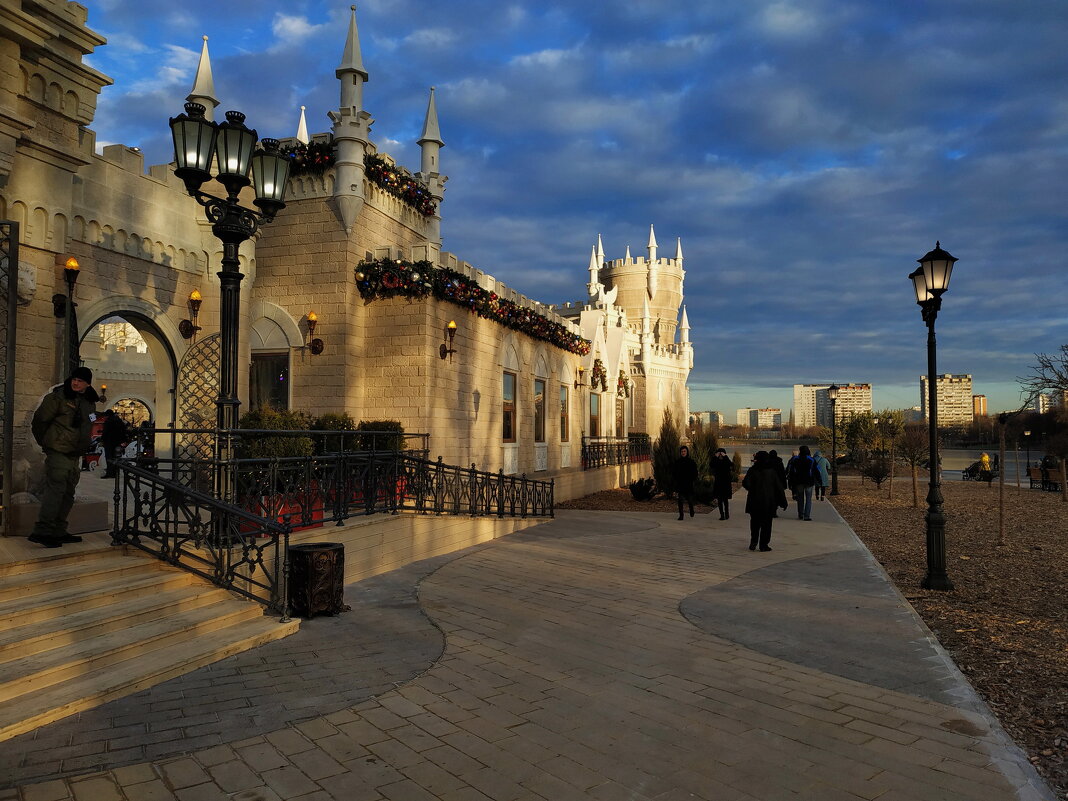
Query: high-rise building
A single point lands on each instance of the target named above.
(978, 406)
(954, 396)
(812, 407)
(1049, 401)
(743, 416)
(765, 418)
(702, 419)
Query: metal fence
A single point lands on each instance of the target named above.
(173, 508)
(607, 451)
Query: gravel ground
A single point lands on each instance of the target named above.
(1005, 623)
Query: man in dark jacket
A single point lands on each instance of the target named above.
(765, 494)
(61, 425)
(684, 472)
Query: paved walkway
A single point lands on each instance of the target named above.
(598, 656)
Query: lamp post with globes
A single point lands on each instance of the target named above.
(930, 281)
(197, 142)
(832, 396)
(71, 356)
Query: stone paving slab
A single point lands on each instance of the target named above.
(600, 655)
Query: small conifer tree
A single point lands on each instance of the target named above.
(665, 452)
(736, 467)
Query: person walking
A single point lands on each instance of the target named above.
(684, 472)
(62, 427)
(112, 437)
(722, 489)
(780, 470)
(823, 470)
(765, 494)
(802, 477)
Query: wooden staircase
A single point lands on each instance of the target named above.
(78, 631)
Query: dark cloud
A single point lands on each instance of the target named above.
(806, 151)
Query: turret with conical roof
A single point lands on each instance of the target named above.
(302, 128)
(203, 91)
(352, 130)
(430, 144)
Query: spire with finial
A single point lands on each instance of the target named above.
(302, 129)
(593, 287)
(430, 140)
(600, 249)
(652, 271)
(351, 72)
(678, 249)
(684, 328)
(628, 256)
(651, 247)
(203, 91)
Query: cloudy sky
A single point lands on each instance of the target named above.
(806, 151)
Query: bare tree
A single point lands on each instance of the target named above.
(1048, 374)
(914, 447)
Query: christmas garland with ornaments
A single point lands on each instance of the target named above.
(388, 278)
(398, 182)
(314, 158)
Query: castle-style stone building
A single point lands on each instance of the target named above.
(357, 250)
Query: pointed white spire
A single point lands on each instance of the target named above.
(628, 256)
(600, 249)
(351, 72)
(593, 287)
(684, 328)
(653, 272)
(203, 91)
(431, 133)
(429, 141)
(651, 247)
(302, 129)
(678, 249)
(645, 311)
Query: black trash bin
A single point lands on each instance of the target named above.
(317, 579)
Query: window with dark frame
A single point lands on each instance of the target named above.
(269, 381)
(539, 410)
(508, 397)
(595, 414)
(565, 432)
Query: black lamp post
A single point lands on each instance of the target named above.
(930, 280)
(1027, 445)
(197, 141)
(71, 357)
(832, 396)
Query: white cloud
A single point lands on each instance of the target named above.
(291, 30)
(546, 58)
(786, 20)
(431, 37)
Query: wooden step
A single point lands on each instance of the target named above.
(33, 709)
(46, 562)
(87, 624)
(111, 593)
(59, 576)
(47, 668)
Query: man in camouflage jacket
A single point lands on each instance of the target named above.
(61, 425)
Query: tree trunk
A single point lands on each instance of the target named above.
(1064, 480)
(891, 496)
(915, 488)
(1001, 484)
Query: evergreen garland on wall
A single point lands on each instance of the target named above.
(314, 158)
(399, 183)
(386, 278)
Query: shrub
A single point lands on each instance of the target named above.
(736, 466)
(702, 445)
(262, 446)
(665, 452)
(372, 438)
(877, 468)
(643, 489)
(336, 422)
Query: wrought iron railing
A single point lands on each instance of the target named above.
(172, 508)
(606, 451)
(189, 528)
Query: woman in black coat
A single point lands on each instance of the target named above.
(684, 473)
(722, 490)
(765, 494)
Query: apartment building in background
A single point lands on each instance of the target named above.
(812, 407)
(954, 396)
(978, 406)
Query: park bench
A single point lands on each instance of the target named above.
(1050, 482)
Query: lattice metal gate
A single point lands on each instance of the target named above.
(197, 390)
(9, 276)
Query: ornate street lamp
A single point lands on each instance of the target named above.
(232, 145)
(930, 281)
(71, 357)
(832, 396)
